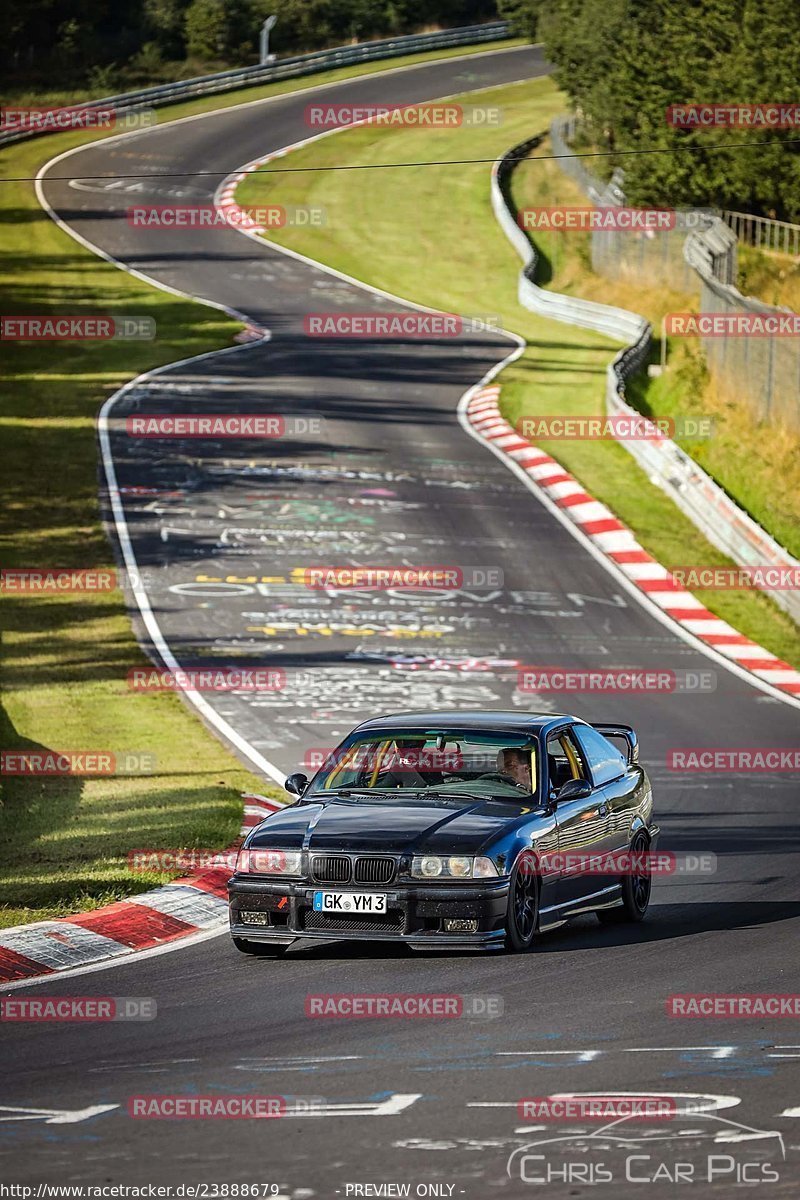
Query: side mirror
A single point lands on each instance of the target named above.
(296, 784)
(574, 789)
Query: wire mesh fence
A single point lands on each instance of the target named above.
(695, 493)
(697, 256)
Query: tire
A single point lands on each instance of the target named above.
(522, 914)
(259, 949)
(635, 892)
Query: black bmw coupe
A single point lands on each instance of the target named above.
(452, 829)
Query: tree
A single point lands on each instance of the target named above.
(165, 22)
(523, 15)
(218, 28)
(625, 62)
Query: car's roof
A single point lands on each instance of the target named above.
(503, 721)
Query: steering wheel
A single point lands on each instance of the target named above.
(499, 777)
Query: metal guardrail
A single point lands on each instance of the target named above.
(699, 255)
(617, 254)
(707, 506)
(288, 68)
(765, 233)
(616, 323)
(710, 252)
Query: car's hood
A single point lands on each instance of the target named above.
(388, 824)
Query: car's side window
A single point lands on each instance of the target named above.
(565, 760)
(605, 761)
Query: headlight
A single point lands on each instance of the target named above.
(269, 862)
(454, 866)
(428, 867)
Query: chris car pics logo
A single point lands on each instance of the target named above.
(691, 1143)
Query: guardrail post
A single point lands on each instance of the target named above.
(264, 40)
(292, 67)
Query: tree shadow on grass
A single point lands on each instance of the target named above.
(31, 805)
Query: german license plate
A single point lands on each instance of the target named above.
(349, 902)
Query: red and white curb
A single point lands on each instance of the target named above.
(225, 199)
(165, 914)
(226, 203)
(617, 543)
(607, 533)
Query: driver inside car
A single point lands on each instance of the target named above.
(513, 767)
(516, 764)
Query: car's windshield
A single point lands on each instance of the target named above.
(444, 761)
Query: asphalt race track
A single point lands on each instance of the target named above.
(217, 529)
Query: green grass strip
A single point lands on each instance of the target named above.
(428, 234)
(64, 660)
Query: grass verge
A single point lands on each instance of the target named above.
(427, 233)
(756, 463)
(23, 97)
(63, 841)
(769, 276)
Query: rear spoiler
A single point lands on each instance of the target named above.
(624, 731)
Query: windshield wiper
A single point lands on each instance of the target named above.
(349, 791)
(441, 795)
(415, 793)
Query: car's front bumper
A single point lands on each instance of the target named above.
(416, 913)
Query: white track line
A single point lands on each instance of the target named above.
(134, 578)
(140, 595)
(613, 569)
(585, 541)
